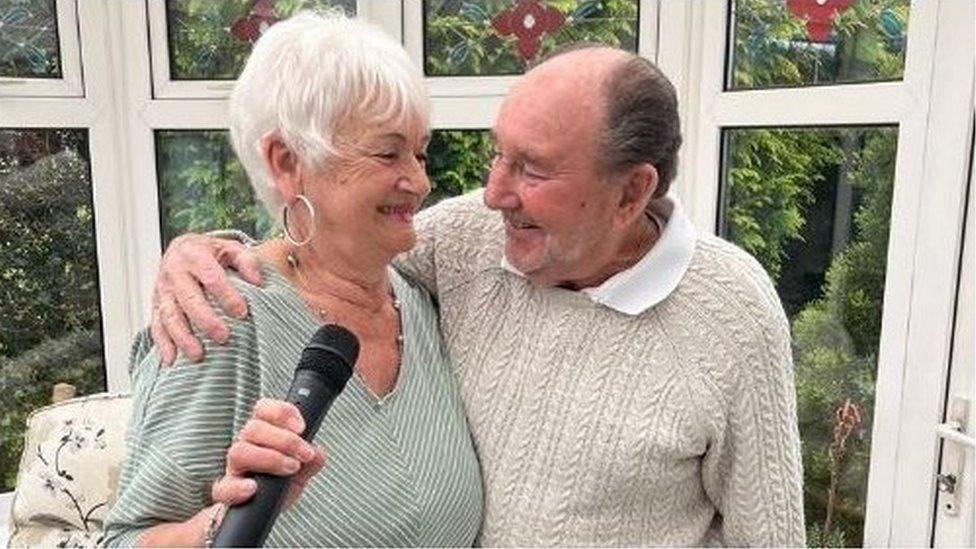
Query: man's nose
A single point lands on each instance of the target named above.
(500, 190)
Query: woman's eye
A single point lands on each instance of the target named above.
(422, 158)
(386, 156)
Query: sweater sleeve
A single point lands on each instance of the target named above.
(419, 263)
(183, 419)
(752, 470)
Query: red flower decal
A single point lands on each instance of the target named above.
(528, 21)
(250, 27)
(819, 15)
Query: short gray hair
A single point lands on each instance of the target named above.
(642, 123)
(306, 79)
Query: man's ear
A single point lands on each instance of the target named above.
(283, 166)
(638, 186)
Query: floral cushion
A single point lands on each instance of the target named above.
(69, 471)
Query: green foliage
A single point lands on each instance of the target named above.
(836, 341)
(50, 327)
(458, 162)
(460, 40)
(201, 44)
(770, 182)
(203, 186)
(26, 382)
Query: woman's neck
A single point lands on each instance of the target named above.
(327, 275)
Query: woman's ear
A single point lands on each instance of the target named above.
(283, 166)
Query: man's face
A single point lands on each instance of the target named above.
(544, 180)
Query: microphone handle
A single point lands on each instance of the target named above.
(248, 524)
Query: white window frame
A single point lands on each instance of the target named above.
(70, 84)
(472, 102)
(386, 15)
(926, 218)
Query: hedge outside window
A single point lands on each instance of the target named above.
(202, 186)
(816, 42)
(813, 206)
(50, 321)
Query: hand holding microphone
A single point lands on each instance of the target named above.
(274, 444)
(270, 442)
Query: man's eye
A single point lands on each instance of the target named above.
(422, 158)
(386, 156)
(532, 173)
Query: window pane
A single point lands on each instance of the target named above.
(211, 40)
(203, 187)
(813, 206)
(50, 324)
(502, 36)
(816, 42)
(29, 39)
(457, 162)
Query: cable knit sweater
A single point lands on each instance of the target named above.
(673, 427)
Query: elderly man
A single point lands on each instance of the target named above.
(627, 380)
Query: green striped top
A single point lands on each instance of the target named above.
(400, 470)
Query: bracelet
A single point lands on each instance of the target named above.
(215, 519)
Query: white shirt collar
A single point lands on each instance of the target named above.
(653, 278)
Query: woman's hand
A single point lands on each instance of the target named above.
(192, 267)
(190, 533)
(270, 442)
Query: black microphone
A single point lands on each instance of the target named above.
(322, 372)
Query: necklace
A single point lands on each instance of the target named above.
(324, 316)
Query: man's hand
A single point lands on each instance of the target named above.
(270, 442)
(193, 266)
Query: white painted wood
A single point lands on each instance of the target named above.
(70, 84)
(955, 528)
(939, 200)
(108, 164)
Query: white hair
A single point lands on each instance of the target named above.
(306, 78)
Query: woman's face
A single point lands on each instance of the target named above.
(369, 196)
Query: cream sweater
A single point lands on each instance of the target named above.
(673, 427)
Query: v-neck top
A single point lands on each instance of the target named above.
(400, 470)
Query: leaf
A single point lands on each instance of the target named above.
(474, 12)
(585, 9)
(459, 53)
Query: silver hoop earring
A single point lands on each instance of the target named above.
(284, 222)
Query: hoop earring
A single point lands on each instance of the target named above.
(284, 222)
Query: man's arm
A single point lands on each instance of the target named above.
(419, 263)
(192, 268)
(753, 471)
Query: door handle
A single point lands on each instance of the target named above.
(958, 444)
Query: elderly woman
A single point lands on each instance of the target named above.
(329, 118)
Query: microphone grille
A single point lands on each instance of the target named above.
(332, 352)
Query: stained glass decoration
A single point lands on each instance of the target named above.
(498, 37)
(778, 43)
(210, 40)
(29, 39)
(818, 14)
